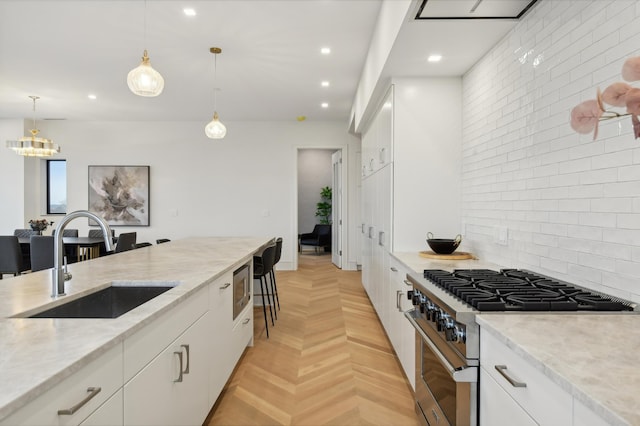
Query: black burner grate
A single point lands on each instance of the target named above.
(518, 290)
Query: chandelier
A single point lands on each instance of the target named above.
(215, 129)
(34, 146)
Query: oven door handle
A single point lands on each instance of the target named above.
(462, 375)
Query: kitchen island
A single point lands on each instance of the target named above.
(38, 354)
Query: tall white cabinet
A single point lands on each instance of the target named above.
(411, 159)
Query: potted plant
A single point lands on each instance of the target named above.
(39, 224)
(323, 208)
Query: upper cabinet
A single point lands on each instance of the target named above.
(377, 141)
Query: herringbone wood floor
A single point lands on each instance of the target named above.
(327, 361)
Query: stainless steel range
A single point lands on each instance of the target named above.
(448, 338)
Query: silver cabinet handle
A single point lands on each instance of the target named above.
(179, 379)
(394, 269)
(516, 384)
(226, 285)
(407, 283)
(246, 321)
(398, 300)
(186, 349)
(381, 238)
(371, 232)
(381, 155)
(371, 164)
(364, 225)
(435, 415)
(93, 391)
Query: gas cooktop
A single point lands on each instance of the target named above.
(519, 290)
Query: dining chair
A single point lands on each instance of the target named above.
(126, 242)
(97, 233)
(70, 250)
(41, 247)
(11, 256)
(24, 248)
(26, 233)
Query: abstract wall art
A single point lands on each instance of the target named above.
(120, 194)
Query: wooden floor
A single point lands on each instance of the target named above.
(327, 361)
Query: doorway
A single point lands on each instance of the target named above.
(319, 168)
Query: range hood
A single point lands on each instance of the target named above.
(473, 9)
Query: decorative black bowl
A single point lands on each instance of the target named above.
(443, 245)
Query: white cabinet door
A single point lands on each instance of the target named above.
(173, 388)
(385, 130)
(497, 408)
(108, 414)
(402, 333)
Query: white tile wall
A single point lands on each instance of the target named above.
(571, 204)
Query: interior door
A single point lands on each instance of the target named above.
(336, 209)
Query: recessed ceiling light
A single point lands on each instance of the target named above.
(325, 50)
(189, 12)
(434, 58)
(92, 97)
(325, 84)
(324, 105)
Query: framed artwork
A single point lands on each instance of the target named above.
(119, 194)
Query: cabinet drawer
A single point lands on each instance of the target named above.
(152, 339)
(108, 414)
(243, 332)
(105, 373)
(497, 408)
(542, 399)
(221, 300)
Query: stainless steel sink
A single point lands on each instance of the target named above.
(110, 302)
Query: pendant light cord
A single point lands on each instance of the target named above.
(144, 25)
(215, 80)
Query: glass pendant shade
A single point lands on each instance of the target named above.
(144, 80)
(215, 129)
(34, 146)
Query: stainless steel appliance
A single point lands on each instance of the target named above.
(448, 338)
(241, 289)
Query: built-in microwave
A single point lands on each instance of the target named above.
(241, 289)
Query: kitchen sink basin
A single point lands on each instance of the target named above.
(110, 302)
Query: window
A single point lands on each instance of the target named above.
(56, 186)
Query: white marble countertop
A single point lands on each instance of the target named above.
(36, 354)
(593, 357)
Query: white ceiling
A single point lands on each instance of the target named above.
(270, 67)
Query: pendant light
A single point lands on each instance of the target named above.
(33, 146)
(215, 129)
(144, 80)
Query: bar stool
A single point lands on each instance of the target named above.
(262, 265)
(272, 273)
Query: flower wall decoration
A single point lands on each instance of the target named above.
(586, 115)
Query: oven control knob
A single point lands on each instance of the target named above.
(459, 334)
(442, 320)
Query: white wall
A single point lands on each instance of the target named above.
(12, 214)
(315, 171)
(242, 185)
(571, 205)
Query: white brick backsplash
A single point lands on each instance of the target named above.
(629, 173)
(579, 205)
(603, 220)
(628, 221)
(572, 204)
(622, 205)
